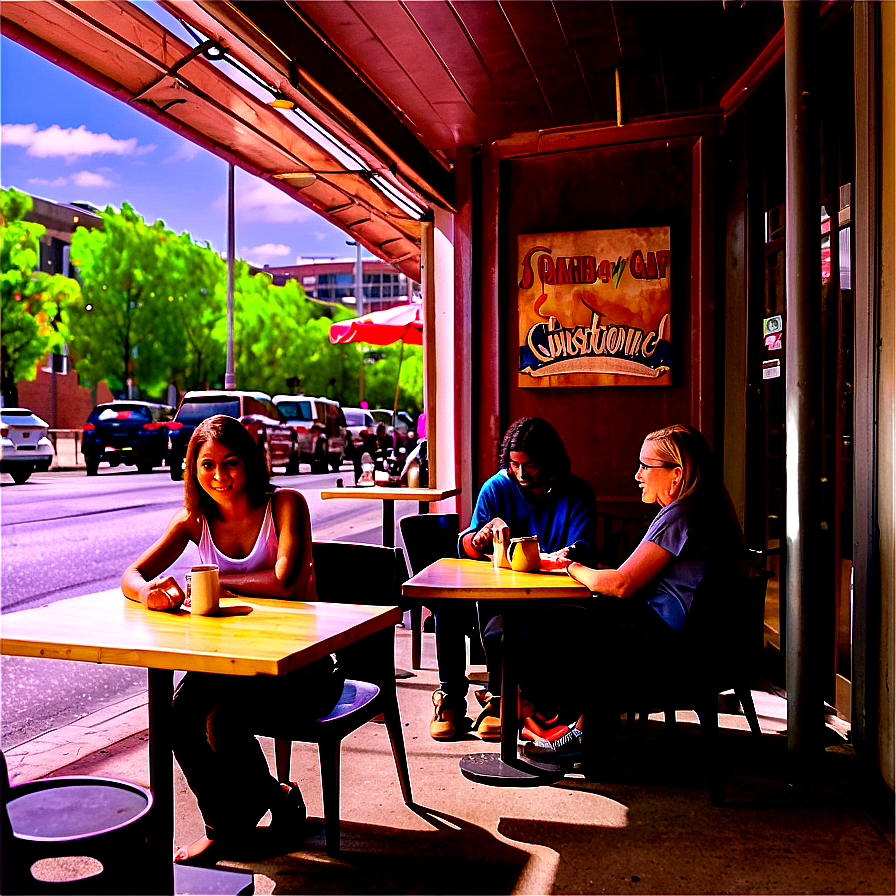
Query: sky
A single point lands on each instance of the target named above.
(65, 140)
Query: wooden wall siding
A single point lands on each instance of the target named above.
(631, 185)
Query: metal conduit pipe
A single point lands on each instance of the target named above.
(430, 370)
(804, 595)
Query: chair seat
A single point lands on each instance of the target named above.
(355, 696)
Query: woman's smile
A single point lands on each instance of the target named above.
(220, 472)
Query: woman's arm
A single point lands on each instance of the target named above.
(645, 563)
(143, 580)
(290, 576)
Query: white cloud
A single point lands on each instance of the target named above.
(268, 250)
(258, 201)
(68, 143)
(186, 152)
(43, 182)
(87, 179)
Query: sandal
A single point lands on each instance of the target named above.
(534, 730)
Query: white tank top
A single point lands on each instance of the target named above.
(262, 556)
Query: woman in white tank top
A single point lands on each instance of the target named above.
(261, 541)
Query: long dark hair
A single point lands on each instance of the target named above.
(230, 433)
(537, 438)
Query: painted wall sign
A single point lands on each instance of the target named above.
(594, 308)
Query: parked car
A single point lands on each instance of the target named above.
(24, 446)
(400, 423)
(320, 429)
(129, 433)
(359, 423)
(255, 410)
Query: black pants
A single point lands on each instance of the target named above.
(213, 720)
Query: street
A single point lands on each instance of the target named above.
(64, 534)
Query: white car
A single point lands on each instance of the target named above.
(25, 446)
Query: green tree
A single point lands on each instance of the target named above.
(200, 308)
(124, 330)
(30, 298)
(281, 336)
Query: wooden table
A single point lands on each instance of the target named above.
(478, 580)
(277, 637)
(389, 495)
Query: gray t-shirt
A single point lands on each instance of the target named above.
(696, 539)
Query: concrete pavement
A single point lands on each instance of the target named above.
(807, 826)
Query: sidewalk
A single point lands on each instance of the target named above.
(647, 827)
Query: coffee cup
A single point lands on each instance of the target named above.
(205, 591)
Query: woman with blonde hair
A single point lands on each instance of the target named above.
(643, 605)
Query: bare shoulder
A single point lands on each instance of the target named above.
(287, 500)
(186, 524)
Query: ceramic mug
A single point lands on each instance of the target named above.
(524, 554)
(205, 590)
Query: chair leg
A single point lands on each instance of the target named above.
(283, 757)
(416, 635)
(669, 719)
(328, 752)
(709, 726)
(396, 738)
(745, 695)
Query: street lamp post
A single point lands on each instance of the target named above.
(229, 375)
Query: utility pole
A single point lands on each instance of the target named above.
(229, 375)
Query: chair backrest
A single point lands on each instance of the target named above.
(429, 537)
(346, 572)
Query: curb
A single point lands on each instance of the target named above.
(46, 754)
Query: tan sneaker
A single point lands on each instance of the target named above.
(448, 718)
(488, 725)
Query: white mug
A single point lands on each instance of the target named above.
(205, 591)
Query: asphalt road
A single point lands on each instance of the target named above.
(64, 534)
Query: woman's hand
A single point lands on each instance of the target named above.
(162, 593)
(556, 560)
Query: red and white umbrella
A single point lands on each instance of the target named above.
(400, 323)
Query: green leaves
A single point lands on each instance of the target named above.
(30, 300)
(152, 310)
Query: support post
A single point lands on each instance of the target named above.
(805, 595)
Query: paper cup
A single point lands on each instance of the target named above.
(205, 592)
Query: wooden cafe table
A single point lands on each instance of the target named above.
(389, 494)
(479, 580)
(276, 637)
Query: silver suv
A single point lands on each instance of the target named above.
(320, 429)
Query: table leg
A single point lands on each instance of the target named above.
(389, 522)
(161, 778)
(508, 768)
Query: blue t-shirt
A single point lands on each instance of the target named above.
(565, 515)
(700, 543)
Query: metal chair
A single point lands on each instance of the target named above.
(83, 817)
(369, 668)
(731, 636)
(429, 537)
(715, 653)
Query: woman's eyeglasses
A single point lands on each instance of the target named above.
(642, 466)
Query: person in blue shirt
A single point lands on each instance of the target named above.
(644, 603)
(533, 493)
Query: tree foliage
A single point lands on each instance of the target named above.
(123, 330)
(31, 298)
(154, 311)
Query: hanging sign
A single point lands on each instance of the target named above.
(594, 308)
